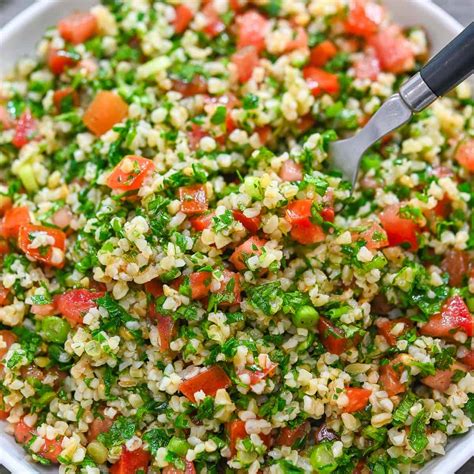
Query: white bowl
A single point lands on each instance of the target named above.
(18, 38)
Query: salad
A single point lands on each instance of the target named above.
(186, 287)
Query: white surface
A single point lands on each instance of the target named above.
(18, 38)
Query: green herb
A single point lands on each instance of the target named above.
(250, 102)
(417, 437)
(469, 406)
(156, 438)
(267, 298)
(206, 409)
(219, 115)
(122, 430)
(401, 413)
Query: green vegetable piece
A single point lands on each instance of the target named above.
(322, 459)
(219, 115)
(253, 187)
(55, 329)
(178, 446)
(401, 413)
(27, 176)
(306, 317)
(97, 451)
(417, 437)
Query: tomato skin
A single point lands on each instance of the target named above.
(456, 263)
(393, 50)
(291, 171)
(455, 316)
(358, 399)
(4, 292)
(236, 430)
(209, 381)
(303, 231)
(98, 426)
(12, 221)
(245, 60)
(193, 199)
(252, 246)
(23, 432)
(252, 224)
(322, 53)
(289, 436)
(251, 30)
(75, 303)
(130, 173)
(131, 462)
(375, 237)
(390, 380)
(154, 287)
(399, 229)
(228, 276)
(300, 41)
(332, 337)
(214, 24)
(78, 27)
(465, 154)
(200, 283)
(62, 94)
(37, 254)
(197, 85)
(58, 60)
(183, 16)
(468, 359)
(25, 129)
(105, 110)
(385, 327)
(9, 338)
(202, 222)
(440, 381)
(320, 81)
(189, 469)
(51, 449)
(364, 18)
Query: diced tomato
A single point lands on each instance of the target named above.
(6, 120)
(104, 112)
(252, 224)
(195, 135)
(214, 24)
(440, 381)
(358, 399)
(245, 60)
(258, 375)
(298, 214)
(62, 217)
(166, 328)
(4, 292)
(367, 67)
(468, 359)
(51, 449)
(375, 237)
(390, 378)
(209, 381)
(441, 210)
(154, 287)
(25, 129)
(58, 60)
(333, 338)
(320, 81)
(455, 316)
(364, 18)
(4, 409)
(300, 40)
(200, 283)
(236, 430)
(193, 199)
(307, 235)
(400, 230)
(263, 133)
(188, 469)
(131, 462)
(322, 53)
(66, 94)
(230, 279)
(78, 27)
(99, 425)
(8, 338)
(130, 173)
(252, 28)
(393, 50)
(183, 16)
(23, 432)
(385, 327)
(202, 222)
(12, 221)
(4, 246)
(43, 309)
(465, 154)
(289, 436)
(197, 85)
(75, 303)
(52, 253)
(252, 246)
(457, 263)
(304, 123)
(291, 171)
(327, 211)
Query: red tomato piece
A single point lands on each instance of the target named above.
(367, 67)
(58, 60)
(230, 279)
(236, 430)
(252, 224)
(390, 379)
(200, 283)
(440, 381)
(299, 41)
(455, 316)
(193, 199)
(209, 381)
(214, 24)
(51, 253)
(364, 18)
(189, 469)
(245, 61)
(251, 30)
(468, 359)
(307, 235)
(8, 338)
(154, 287)
(4, 292)
(304, 123)
(78, 27)
(130, 173)
(322, 53)
(106, 110)
(456, 263)
(23, 432)
(66, 94)
(332, 337)
(400, 230)
(4, 247)
(375, 237)
(263, 133)
(195, 135)
(202, 222)
(393, 50)
(298, 214)
(51, 449)
(327, 211)
(4, 410)
(43, 309)
(197, 85)
(252, 246)
(465, 154)
(98, 426)
(289, 436)
(257, 376)
(12, 221)
(183, 16)
(291, 171)
(385, 327)
(75, 303)
(131, 462)
(25, 129)
(358, 399)
(165, 331)
(320, 81)
(6, 120)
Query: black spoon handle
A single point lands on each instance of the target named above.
(453, 64)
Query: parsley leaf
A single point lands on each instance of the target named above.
(417, 437)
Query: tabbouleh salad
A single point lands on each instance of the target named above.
(185, 285)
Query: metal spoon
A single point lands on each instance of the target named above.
(453, 64)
